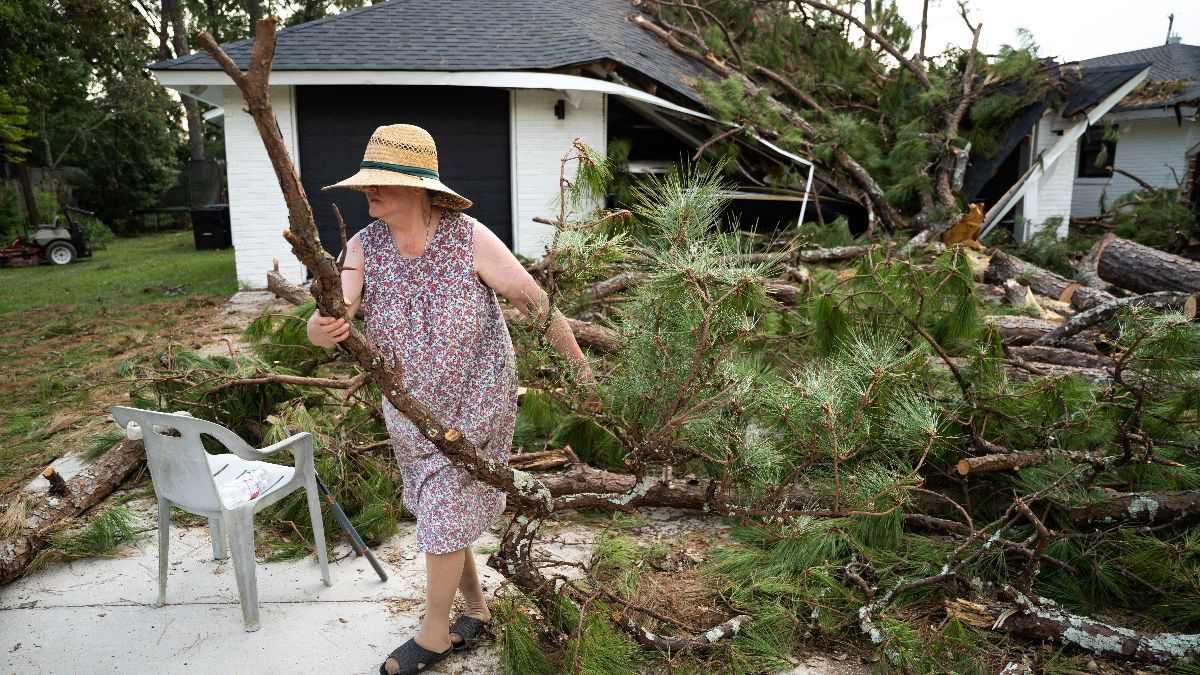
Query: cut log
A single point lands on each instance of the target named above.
(1018, 294)
(989, 292)
(999, 462)
(813, 255)
(680, 493)
(1020, 329)
(1142, 269)
(621, 282)
(1003, 266)
(1139, 508)
(1060, 357)
(84, 491)
(543, 460)
(1047, 622)
(785, 292)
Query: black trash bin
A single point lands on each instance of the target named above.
(211, 228)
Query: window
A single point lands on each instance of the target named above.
(1097, 150)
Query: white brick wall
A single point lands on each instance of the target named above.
(257, 211)
(1052, 196)
(539, 140)
(1147, 148)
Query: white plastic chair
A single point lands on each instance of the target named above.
(186, 476)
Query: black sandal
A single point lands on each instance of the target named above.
(413, 658)
(470, 630)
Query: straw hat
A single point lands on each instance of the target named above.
(403, 154)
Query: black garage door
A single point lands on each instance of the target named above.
(470, 126)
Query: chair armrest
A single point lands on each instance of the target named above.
(300, 444)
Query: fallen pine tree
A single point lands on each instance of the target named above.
(818, 424)
(828, 428)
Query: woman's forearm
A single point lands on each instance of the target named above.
(559, 335)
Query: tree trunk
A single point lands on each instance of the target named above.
(1003, 266)
(254, 10)
(33, 217)
(1046, 622)
(1142, 508)
(84, 491)
(1023, 330)
(1102, 313)
(195, 124)
(1142, 269)
(1061, 357)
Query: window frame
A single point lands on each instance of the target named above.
(1090, 144)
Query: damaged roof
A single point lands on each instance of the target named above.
(484, 35)
(1174, 75)
(1094, 84)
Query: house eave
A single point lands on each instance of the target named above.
(191, 82)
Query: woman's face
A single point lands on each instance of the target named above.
(386, 202)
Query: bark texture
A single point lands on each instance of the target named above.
(84, 491)
(1142, 269)
(1138, 508)
(1003, 267)
(1046, 621)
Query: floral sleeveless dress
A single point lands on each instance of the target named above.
(435, 314)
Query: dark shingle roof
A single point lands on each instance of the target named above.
(1095, 83)
(1168, 62)
(456, 35)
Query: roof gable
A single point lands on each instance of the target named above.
(470, 35)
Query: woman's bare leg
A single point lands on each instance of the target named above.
(442, 573)
(472, 589)
(472, 592)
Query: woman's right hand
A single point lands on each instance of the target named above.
(325, 331)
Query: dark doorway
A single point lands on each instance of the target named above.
(469, 124)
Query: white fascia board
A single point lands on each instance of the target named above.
(1031, 179)
(182, 79)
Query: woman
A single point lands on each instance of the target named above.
(427, 276)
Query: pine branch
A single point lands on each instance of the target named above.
(891, 218)
(917, 70)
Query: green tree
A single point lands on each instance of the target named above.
(78, 68)
(826, 79)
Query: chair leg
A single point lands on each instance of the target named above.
(218, 539)
(164, 541)
(240, 529)
(318, 525)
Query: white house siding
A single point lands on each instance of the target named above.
(1146, 148)
(1052, 196)
(256, 207)
(539, 140)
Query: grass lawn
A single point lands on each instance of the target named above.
(64, 329)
